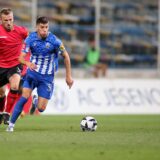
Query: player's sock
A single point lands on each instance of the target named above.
(42, 109)
(34, 104)
(1, 117)
(2, 103)
(12, 97)
(6, 117)
(18, 109)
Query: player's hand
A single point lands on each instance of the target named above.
(31, 66)
(69, 81)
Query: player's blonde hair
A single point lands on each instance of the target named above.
(5, 11)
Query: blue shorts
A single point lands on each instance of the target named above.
(43, 83)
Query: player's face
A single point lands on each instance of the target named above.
(42, 30)
(7, 21)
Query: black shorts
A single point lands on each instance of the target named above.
(6, 73)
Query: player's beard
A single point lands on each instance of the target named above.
(9, 27)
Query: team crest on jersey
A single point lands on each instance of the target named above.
(47, 45)
(34, 44)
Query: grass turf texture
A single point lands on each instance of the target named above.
(118, 137)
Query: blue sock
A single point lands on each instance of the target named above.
(18, 109)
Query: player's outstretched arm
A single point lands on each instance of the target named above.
(67, 63)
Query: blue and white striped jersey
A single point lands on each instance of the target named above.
(44, 52)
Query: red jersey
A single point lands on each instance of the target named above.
(24, 66)
(11, 45)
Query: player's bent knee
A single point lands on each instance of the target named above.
(42, 109)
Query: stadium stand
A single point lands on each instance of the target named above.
(128, 29)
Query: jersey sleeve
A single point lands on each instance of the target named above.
(26, 46)
(25, 32)
(59, 46)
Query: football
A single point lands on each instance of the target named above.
(88, 123)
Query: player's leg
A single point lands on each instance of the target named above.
(3, 82)
(34, 104)
(102, 68)
(19, 105)
(2, 102)
(42, 104)
(12, 96)
(14, 81)
(28, 85)
(26, 92)
(95, 71)
(10, 100)
(44, 90)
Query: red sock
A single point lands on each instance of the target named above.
(12, 98)
(27, 106)
(2, 103)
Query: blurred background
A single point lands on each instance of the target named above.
(125, 32)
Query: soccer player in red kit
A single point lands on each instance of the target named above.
(11, 41)
(10, 103)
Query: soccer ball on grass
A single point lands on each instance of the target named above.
(88, 123)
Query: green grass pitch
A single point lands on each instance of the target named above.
(118, 137)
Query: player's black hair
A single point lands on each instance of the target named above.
(43, 20)
(5, 11)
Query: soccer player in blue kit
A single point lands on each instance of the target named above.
(44, 48)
